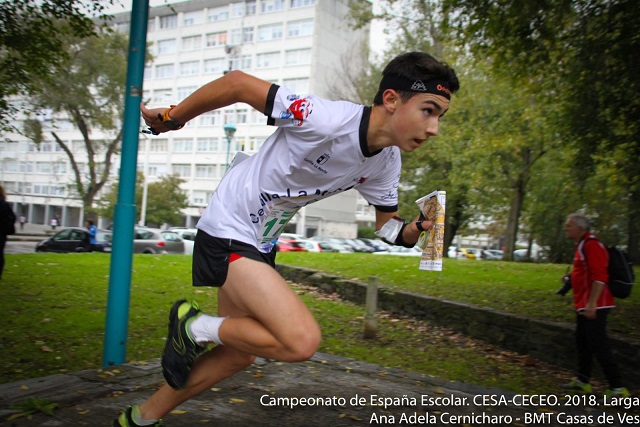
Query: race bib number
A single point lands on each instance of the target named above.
(273, 225)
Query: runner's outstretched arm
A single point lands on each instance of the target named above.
(231, 88)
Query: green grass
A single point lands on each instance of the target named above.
(515, 287)
(53, 307)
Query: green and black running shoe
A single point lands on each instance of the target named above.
(180, 350)
(126, 420)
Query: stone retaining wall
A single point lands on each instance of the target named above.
(548, 341)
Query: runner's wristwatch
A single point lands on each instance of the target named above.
(170, 123)
(419, 225)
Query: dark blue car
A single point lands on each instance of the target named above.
(75, 239)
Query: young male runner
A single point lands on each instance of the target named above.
(320, 148)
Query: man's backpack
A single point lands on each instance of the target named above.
(621, 275)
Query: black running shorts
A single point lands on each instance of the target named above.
(212, 255)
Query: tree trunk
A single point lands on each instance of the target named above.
(517, 201)
(633, 244)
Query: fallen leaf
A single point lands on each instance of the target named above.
(178, 412)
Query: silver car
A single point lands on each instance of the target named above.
(155, 241)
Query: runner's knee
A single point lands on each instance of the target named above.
(303, 347)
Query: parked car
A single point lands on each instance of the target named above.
(520, 255)
(155, 241)
(492, 254)
(357, 246)
(454, 252)
(315, 246)
(292, 236)
(469, 253)
(288, 245)
(75, 239)
(188, 236)
(401, 251)
(377, 244)
(335, 242)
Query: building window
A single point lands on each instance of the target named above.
(241, 63)
(217, 39)
(240, 116)
(212, 118)
(167, 22)
(164, 71)
(59, 167)
(183, 171)
(166, 46)
(183, 145)
(302, 3)
(163, 95)
(10, 166)
(206, 171)
(247, 35)
(158, 145)
(207, 145)
(183, 92)
(267, 6)
(190, 68)
(191, 43)
(218, 14)
(270, 32)
(192, 18)
(43, 167)
(151, 25)
(251, 7)
(201, 197)
(300, 28)
(156, 169)
(214, 66)
(298, 57)
(242, 35)
(26, 167)
(268, 60)
(299, 86)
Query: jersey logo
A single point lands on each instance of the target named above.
(323, 159)
(300, 110)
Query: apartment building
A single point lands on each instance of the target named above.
(300, 44)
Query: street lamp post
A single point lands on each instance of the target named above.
(229, 131)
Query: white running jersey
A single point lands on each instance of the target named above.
(319, 149)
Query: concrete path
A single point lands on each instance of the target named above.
(327, 391)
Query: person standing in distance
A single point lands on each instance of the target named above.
(7, 225)
(593, 303)
(319, 149)
(92, 232)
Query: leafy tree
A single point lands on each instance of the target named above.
(165, 200)
(586, 53)
(32, 42)
(86, 89)
(437, 166)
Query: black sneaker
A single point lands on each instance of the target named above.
(126, 420)
(180, 350)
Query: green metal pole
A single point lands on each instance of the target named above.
(117, 319)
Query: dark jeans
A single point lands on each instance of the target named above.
(592, 341)
(3, 242)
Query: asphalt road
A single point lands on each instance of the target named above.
(20, 248)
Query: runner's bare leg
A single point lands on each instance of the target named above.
(266, 318)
